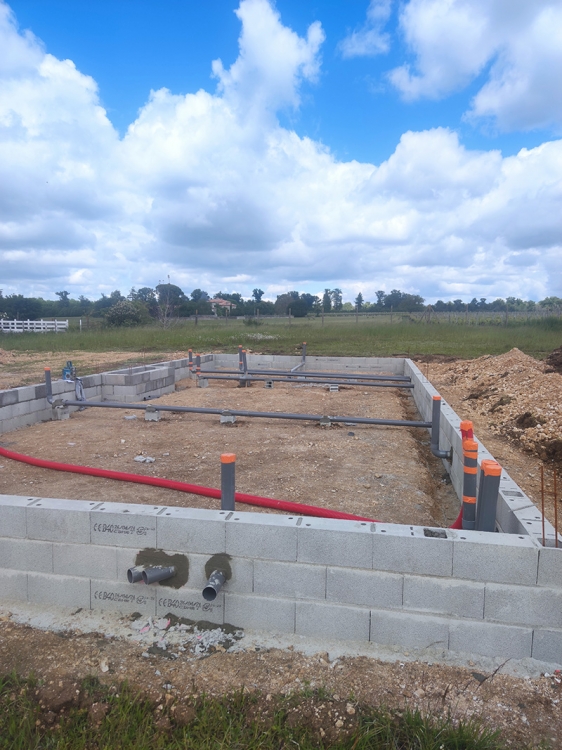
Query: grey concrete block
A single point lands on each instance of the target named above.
(125, 525)
(260, 613)
(64, 591)
(126, 557)
(488, 639)
(191, 530)
(59, 520)
(369, 588)
(550, 566)
(409, 630)
(444, 596)
(493, 557)
(7, 398)
(13, 586)
(12, 519)
(411, 554)
(290, 580)
(23, 554)
(523, 605)
(122, 597)
(188, 603)
(262, 536)
(325, 620)
(26, 393)
(85, 560)
(324, 541)
(242, 574)
(547, 645)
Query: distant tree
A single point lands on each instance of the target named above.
(126, 313)
(257, 294)
(327, 300)
(337, 299)
(359, 301)
(199, 294)
(381, 296)
(312, 301)
(63, 298)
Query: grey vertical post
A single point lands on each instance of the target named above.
(48, 386)
(470, 455)
(190, 360)
(304, 351)
(228, 464)
(198, 364)
(245, 361)
(240, 360)
(490, 475)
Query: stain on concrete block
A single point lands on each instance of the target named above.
(123, 597)
(23, 554)
(13, 586)
(488, 639)
(290, 580)
(325, 620)
(547, 645)
(324, 541)
(64, 591)
(85, 560)
(444, 596)
(260, 613)
(523, 605)
(191, 530)
(59, 520)
(405, 553)
(369, 588)
(261, 536)
(409, 630)
(188, 603)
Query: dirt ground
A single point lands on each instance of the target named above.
(371, 472)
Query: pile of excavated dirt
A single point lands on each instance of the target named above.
(554, 361)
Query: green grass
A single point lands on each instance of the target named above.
(236, 721)
(338, 336)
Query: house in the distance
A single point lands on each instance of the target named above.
(222, 304)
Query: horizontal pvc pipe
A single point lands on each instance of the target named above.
(242, 413)
(214, 585)
(342, 381)
(158, 573)
(287, 506)
(134, 575)
(289, 373)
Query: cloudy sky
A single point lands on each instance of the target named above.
(288, 145)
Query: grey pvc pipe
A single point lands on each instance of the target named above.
(158, 573)
(214, 585)
(228, 482)
(48, 385)
(343, 381)
(350, 375)
(134, 575)
(435, 428)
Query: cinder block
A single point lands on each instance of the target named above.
(523, 605)
(12, 517)
(23, 554)
(332, 621)
(125, 525)
(444, 596)
(122, 597)
(191, 530)
(547, 645)
(62, 591)
(495, 557)
(411, 554)
(85, 560)
(262, 536)
(550, 566)
(26, 393)
(188, 603)
(13, 586)
(324, 541)
(259, 613)
(7, 398)
(59, 520)
(369, 588)
(289, 580)
(242, 574)
(409, 630)
(126, 557)
(488, 639)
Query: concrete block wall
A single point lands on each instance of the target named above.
(489, 594)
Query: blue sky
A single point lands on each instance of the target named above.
(365, 145)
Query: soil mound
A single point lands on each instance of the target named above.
(554, 361)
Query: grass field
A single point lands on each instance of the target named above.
(344, 337)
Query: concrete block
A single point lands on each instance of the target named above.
(262, 536)
(40, 391)
(324, 541)
(550, 566)
(12, 518)
(188, 603)
(191, 530)
(523, 605)
(409, 630)
(112, 378)
(60, 413)
(444, 596)
(488, 639)
(529, 521)
(23, 554)
(152, 415)
(332, 621)
(85, 560)
(125, 557)
(289, 580)
(260, 613)
(242, 574)
(369, 588)
(64, 591)
(125, 525)
(122, 597)
(495, 557)
(59, 520)
(26, 393)
(547, 645)
(13, 586)
(7, 398)
(404, 553)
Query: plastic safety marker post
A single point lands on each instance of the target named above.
(470, 454)
(228, 465)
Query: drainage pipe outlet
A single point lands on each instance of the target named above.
(134, 575)
(214, 585)
(158, 573)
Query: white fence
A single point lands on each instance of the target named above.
(36, 326)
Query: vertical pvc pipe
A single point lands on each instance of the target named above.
(198, 364)
(490, 475)
(240, 360)
(245, 361)
(190, 360)
(304, 351)
(228, 468)
(470, 455)
(48, 386)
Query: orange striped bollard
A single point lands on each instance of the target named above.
(470, 456)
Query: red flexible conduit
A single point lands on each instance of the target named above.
(193, 489)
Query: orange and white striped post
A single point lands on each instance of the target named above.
(470, 456)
